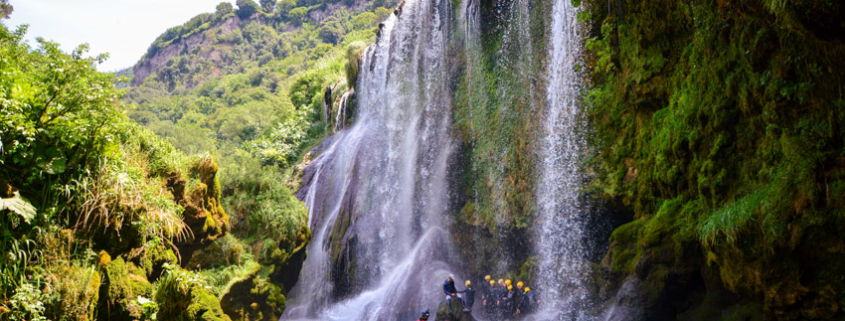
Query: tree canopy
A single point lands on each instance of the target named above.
(247, 8)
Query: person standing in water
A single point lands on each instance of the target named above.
(527, 303)
(469, 296)
(490, 299)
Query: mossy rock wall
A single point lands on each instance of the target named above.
(122, 284)
(498, 97)
(254, 298)
(457, 311)
(720, 124)
(203, 213)
(181, 296)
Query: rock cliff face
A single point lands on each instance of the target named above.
(713, 136)
(203, 44)
(203, 213)
(718, 124)
(212, 46)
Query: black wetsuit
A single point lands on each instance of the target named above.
(526, 304)
(469, 297)
(490, 296)
(510, 303)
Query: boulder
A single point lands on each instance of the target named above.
(457, 314)
(254, 298)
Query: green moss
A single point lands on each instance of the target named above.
(72, 292)
(457, 308)
(353, 56)
(498, 98)
(181, 296)
(154, 256)
(254, 297)
(716, 124)
(624, 251)
(122, 284)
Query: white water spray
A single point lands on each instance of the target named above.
(380, 187)
(561, 215)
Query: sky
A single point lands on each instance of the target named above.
(123, 28)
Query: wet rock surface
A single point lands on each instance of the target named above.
(452, 310)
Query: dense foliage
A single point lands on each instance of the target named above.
(719, 125)
(251, 91)
(77, 178)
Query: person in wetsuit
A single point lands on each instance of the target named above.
(424, 316)
(469, 296)
(490, 298)
(450, 291)
(527, 303)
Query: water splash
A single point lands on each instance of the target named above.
(561, 214)
(380, 186)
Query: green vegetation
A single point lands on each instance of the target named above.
(77, 177)
(252, 94)
(98, 212)
(6, 9)
(719, 125)
(496, 122)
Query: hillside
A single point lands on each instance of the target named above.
(248, 85)
(148, 230)
(310, 160)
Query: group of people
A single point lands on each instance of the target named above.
(505, 299)
(501, 299)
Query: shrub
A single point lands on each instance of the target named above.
(332, 31)
(298, 16)
(353, 57)
(364, 20)
(182, 295)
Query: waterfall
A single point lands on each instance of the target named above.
(343, 110)
(378, 199)
(561, 214)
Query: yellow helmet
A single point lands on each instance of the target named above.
(510, 287)
(468, 283)
(527, 289)
(508, 282)
(492, 283)
(501, 281)
(487, 277)
(520, 284)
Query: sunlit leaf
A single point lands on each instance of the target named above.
(20, 206)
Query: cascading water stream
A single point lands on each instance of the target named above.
(378, 198)
(561, 214)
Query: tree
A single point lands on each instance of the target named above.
(284, 7)
(382, 13)
(298, 15)
(59, 113)
(268, 5)
(246, 8)
(332, 31)
(224, 9)
(5, 9)
(365, 20)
